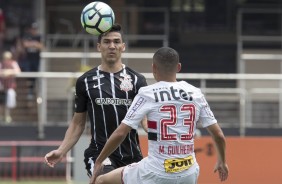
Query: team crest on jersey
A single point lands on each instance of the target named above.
(126, 82)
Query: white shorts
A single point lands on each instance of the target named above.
(138, 174)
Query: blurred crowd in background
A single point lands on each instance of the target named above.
(22, 53)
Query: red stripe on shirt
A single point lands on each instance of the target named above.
(152, 124)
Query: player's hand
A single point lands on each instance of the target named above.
(222, 169)
(53, 157)
(98, 167)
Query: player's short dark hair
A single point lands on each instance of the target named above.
(115, 28)
(166, 59)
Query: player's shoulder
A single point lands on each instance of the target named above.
(150, 89)
(134, 72)
(91, 72)
(189, 87)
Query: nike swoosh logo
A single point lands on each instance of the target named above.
(91, 16)
(96, 86)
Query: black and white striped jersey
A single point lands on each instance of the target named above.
(106, 97)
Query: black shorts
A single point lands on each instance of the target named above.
(90, 157)
(89, 165)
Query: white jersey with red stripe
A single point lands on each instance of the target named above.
(172, 110)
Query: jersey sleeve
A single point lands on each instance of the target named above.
(206, 115)
(80, 96)
(137, 111)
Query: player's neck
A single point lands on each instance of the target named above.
(166, 78)
(111, 68)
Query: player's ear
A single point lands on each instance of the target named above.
(154, 68)
(123, 45)
(178, 67)
(98, 47)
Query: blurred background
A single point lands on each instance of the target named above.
(231, 49)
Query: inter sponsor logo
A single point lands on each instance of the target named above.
(171, 94)
(113, 101)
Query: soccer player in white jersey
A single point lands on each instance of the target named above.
(173, 109)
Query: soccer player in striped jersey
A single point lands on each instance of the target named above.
(105, 93)
(173, 108)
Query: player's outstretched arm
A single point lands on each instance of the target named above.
(72, 135)
(221, 166)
